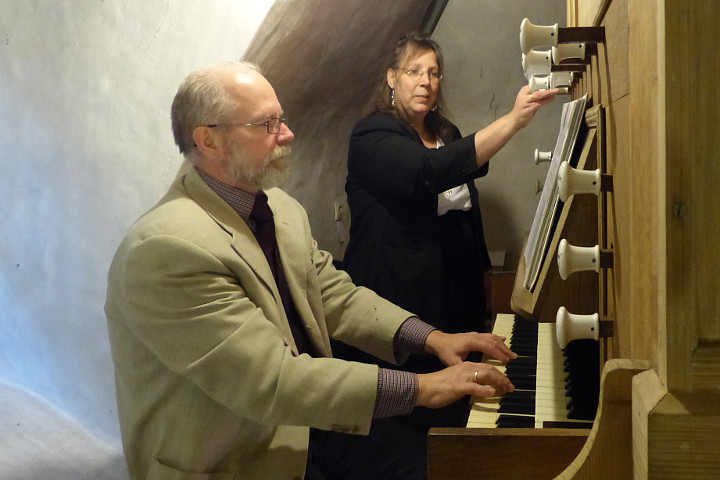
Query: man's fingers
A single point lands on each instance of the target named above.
(493, 377)
(484, 391)
(499, 350)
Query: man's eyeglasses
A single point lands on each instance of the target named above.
(416, 74)
(272, 125)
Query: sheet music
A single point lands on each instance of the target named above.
(550, 205)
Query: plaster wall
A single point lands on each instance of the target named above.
(85, 148)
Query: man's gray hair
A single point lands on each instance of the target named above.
(202, 100)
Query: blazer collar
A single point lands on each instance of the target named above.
(246, 246)
(243, 240)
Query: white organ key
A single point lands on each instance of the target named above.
(483, 413)
(503, 325)
(550, 403)
(550, 395)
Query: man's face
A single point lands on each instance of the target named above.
(270, 172)
(251, 154)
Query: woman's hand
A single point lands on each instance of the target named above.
(526, 104)
(492, 138)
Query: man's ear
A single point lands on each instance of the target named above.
(205, 140)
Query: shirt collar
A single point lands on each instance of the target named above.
(240, 200)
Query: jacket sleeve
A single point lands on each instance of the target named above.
(352, 314)
(356, 315)
(387, 156)
(196, 316)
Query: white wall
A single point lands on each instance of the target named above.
(85, 148)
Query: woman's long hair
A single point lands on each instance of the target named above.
(410, 45)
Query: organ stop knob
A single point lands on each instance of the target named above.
(570, 326)
(571, 181)
(571, 259)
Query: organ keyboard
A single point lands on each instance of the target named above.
(553, 388)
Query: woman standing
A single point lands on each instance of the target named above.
(416, 234)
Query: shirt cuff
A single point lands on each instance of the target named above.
(396, 394)
(411, 337)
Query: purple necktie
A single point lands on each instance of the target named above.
(262, 215)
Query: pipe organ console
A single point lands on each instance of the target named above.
(618, 373)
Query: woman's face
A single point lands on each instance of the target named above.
(415, 95)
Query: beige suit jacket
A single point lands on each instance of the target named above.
(209, 383)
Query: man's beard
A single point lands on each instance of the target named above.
(271, 172)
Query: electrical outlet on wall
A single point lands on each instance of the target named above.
(339, 211)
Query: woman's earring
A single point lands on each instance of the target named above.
(434, 107)
(392, 97)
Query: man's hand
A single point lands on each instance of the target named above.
(452, 349)
(450, 384)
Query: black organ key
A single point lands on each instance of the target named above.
(552, 386)
(516, 421)
(582, 382)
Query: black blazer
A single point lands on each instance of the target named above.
(398, 245)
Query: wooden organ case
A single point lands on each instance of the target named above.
(653, 112)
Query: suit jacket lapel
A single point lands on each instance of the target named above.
(293, 254)
(243, 242)
(246, 246)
